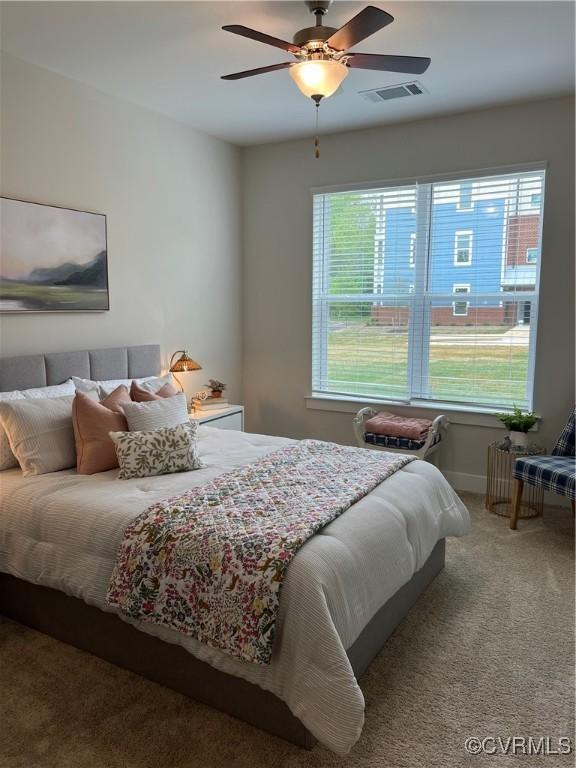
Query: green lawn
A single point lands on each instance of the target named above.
(372, 360)
(22, 296)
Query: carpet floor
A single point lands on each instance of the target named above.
(487, 651)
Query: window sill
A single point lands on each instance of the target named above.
(457, 414)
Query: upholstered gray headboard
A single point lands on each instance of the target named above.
(30, 371)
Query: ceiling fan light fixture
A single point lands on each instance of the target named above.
(318, 77)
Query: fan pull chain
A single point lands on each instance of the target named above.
(317, 137)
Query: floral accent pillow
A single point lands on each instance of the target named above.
(157, 451)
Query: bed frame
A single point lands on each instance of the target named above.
(73, 621)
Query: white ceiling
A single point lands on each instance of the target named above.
(168, 56)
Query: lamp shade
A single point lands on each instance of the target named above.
(184, 363)
(318, 77)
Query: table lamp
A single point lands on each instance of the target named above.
(184, 364)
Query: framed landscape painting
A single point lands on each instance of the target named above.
(52, 259)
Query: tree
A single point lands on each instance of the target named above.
(352, 231)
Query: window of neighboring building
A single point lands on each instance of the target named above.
(388, 330)
(536, 200)
(531, 255)
(465, 199)
(463, 248)
(412, 250)
(460, 308)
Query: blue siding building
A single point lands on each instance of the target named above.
(469, 255)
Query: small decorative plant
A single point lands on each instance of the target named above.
(216, 387)
(518, 421)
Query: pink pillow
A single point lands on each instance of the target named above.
(92, 421)
(141, 395)
(392, 425)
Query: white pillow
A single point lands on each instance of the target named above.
(88, 385)
(58, 390)
(154, 383)
(157, 414)
(7, 458)
(106, 387)
(40, 433)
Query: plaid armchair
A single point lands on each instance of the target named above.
(555, 473)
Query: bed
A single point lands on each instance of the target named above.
(345, 591)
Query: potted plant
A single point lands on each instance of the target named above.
(216, 387)
(518, 422)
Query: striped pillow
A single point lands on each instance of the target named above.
(40, 433)
(7, 458)
(165, 412)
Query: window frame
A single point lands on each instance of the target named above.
(534, 250)
(337, 400)
(470, 235)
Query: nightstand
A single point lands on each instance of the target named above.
(231, 417)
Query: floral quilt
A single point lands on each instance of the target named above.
(210, 563)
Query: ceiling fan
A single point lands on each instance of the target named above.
(322, 55)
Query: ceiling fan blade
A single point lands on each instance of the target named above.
(259, 71)
(413, 65)
(361, 26)
(238, 29)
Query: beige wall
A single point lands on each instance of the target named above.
(171, 196)
(277, 179)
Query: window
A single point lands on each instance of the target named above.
(460, 308)
(386, 330)
(531, 255)
(536, 200)
(412, 252)
(465, 200)
(463, 248)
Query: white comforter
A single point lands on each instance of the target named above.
(63, 530)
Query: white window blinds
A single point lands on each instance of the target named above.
(391, 266)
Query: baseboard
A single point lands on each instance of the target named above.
(462, 481)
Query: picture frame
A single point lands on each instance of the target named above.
(52, 259)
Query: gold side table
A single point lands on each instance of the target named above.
(499, 482)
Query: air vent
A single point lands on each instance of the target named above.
(394, 92)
